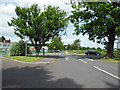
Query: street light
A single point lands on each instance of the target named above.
(26, 47)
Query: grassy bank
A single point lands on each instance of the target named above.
(26, 58)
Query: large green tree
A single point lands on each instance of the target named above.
(99, 20)
(56, 44)
(38, 26)
(75, 45)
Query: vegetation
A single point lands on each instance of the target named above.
(102, 51)
(39, 26)
(100, 20)
(56, 44)
(18, 49)
(26, 58)
(2, 39)
(75, 45)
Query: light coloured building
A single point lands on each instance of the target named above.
(118, 43)
(5, 47)
(33, 49)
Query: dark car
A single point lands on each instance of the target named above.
(56, 51)
(90, 52)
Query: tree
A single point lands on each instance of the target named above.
(76, 44)
(2, 39)
(67, 47)
(18, 49)
(39, 26)
(100, 20)
(56, 44)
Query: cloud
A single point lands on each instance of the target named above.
(7, 11)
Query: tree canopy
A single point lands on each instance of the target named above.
(75, 45)
(99, 20)
(2, 39)
(39, 26)
(56, 44)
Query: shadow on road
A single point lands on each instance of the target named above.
(112, 85)
(34, 77)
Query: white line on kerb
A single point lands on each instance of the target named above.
(107, 72)
(82, 60)
(66, 58)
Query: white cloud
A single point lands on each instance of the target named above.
(7, 11)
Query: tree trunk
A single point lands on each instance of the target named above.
(37, 50)
(43, 51)
(110, 45)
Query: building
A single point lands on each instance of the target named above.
(5, 46)
(118, 43)
(32, 49)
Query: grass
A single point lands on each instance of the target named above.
(112, 59)
(26, 58)
(103, 52)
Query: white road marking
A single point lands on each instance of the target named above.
(107, 72)
(66, 58)
(82, 60)
(90, 59)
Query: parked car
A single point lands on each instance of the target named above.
(57, 51)
(90, 52)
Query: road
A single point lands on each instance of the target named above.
(69, 71)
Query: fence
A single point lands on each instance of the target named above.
(4, 52)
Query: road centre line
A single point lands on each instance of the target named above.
(82, 60)
(107, 73)
(90, 59)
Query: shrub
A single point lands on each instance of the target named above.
(18, 49)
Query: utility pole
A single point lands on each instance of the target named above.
(26, 48)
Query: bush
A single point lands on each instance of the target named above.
(18, 49)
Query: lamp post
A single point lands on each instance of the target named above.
(26, 47)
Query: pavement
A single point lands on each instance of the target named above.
(46, 60)
(68, 71)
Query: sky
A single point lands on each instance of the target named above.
(7, 11)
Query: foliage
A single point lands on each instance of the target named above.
(56, 44)
(2, 39)
(39, 26)
(100, 20)
(67, 47)
(75, 45)
(18, 49)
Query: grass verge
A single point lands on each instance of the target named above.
(103, 52)
(26, 58)
(112, 59)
